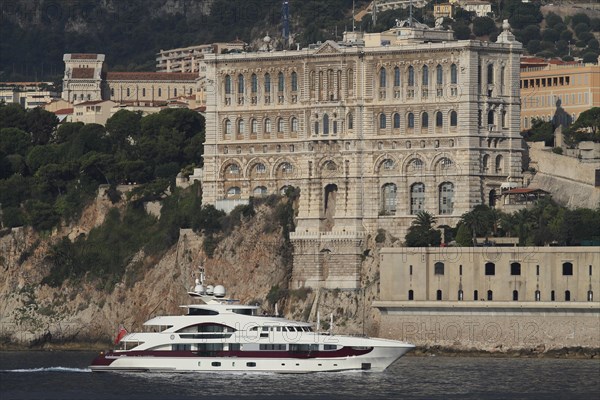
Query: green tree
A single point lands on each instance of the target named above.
(580, 18)
(14, 141)
(463, 236)
(421, 232)
(484, 26)
(13, 116)
(550, 35)
(553, 19)
(41, 125)
(122, 126)
(461, 31)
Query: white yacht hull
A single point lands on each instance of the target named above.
(378, 359)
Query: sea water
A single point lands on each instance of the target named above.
(64, 375)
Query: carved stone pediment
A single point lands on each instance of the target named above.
(329, 47)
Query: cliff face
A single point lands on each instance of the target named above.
(251, 262)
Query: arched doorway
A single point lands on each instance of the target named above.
(329, 202)
(492, 198)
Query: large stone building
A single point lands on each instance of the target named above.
(372, 130)
(86, 79)
(188, 59)
(557, 92)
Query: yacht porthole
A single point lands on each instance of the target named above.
(172, 337)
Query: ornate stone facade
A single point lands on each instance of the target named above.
(371, 134)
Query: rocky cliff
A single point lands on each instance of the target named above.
(251, 262)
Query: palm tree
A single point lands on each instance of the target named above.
(424, 220)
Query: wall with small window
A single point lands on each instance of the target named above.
(491, 274)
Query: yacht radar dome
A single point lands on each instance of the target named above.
(219, 291)
(209, 290)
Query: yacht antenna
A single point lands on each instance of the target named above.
(331, 324)
(353, 27)
(318, 321)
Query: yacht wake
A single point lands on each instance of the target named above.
(48, 369)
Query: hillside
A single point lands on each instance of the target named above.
(249, 258)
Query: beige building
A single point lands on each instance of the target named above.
(187, 59)
(479, 7)
(93, 112)
(505, 274)
(28, 94)
(371, 134)
(555, 92)
(443, 10)
(495, 299)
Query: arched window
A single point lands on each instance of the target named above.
(350, 79)
(388, 198)
(552, 296)
(567, 295)
(254, 126)
(515, 268)
(254, 83)
(567, 269)
(490, 295)
(590, 295)
(316, 130)
(267, 125)
(460, 295)
(439, 73)
(438, 268)
(411, 76)
(411, 120)
(325, 124)
(227, 84)
(286, 168)
(241, 126)
(260, 168)
(475, 295)
(503, 118)
(396, 76)
(424, 120)
(294, 81)
(453, 74)
(233, 192)
(446, 196)
(387, 164)
(538, 295)
(490, 74)
(294, 124)
(267, 84)
(438, 295)
(382, 121)
(227, 127)
(411, 295)
(486, 162)
(417, 197)
(453, 118)
(350, 121)
(382, 78)
(396, 121)
(280, 82)
(490, 269)
(425, 80)
(240, 84)
(515, 295)
(490, 119)
(259, 191)
(499, 162)
(279, 125)
(232, 169)
(439, 120)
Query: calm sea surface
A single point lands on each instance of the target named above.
(64, 375)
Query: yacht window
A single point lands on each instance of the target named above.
(235, 346)
(265, 328)
(243, 311)
(202, 311)
(215, 364)
(330, 347)
(250, 364)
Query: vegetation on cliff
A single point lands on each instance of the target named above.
(48, 174)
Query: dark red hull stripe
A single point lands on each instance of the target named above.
(108, 358)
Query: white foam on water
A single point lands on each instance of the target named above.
(48, 369)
